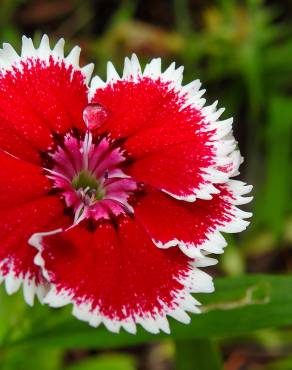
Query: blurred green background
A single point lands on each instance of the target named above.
(242, 52)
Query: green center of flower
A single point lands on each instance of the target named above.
(89, 183)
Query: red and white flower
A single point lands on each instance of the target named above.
(123, 187)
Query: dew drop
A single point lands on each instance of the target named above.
(94, 115)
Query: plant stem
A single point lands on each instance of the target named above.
(182, 17)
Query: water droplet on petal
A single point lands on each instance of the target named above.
(94, 115)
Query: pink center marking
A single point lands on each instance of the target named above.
(89, 174)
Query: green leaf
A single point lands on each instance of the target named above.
(272, 205)
(238, 306)
(106, 362)
(22, 359)
(282, 364)
(198, 354)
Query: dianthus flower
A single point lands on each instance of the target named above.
(112, 193)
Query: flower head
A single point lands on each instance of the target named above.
(112, 193)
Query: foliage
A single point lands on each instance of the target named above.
(242, 51)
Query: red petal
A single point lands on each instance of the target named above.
(172, 144)
(16, 145)
(39, 97)
(115, 276)
(20, 181)
(136, 106)
(177, 169)
(18, 223)
(191, 226)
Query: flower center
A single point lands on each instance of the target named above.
(86, 181)
(88, 174)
